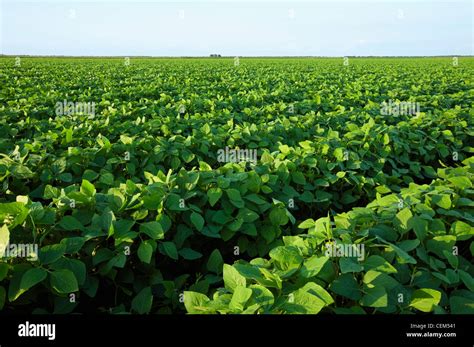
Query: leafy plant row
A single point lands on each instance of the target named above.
(418, 258)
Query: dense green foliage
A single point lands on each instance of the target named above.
(133, 212)
(409, 263)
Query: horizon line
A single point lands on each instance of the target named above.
(234, 56)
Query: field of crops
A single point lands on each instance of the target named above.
(291, 185)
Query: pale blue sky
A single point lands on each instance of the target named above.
(237, 28)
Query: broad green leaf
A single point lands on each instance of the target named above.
(233, 194)
(143, 302)
(303, 301)
(153, 229)
(77, 267)
(256, 199)
(313, 265)
(420, 227)
(378, 279)
(442, 200)
(460, 182)
(248, 216)
(377, 263)
(16, 212)
(215, 262)
(308, 223)
(70, 223)
(214, 194)
(174, 202)
(107, 220)
(278, 216)
(232, 278)
(31, 278)
(298, 178)
(195, 303)
(319, 291)
(425, 299)
(169, 248)
(145, 252)
(385, 201)
(404, 257)
(197, 221)
(49, 254)
(73, 244)
(286, 257)
(346, 286)
(375, 297)
(239, 298)
(403, 218)
(462, 230)
(452, 259)
(64, 281)
(349, 265)
(467, 279)
(87, 188)
(189, 254)
(461, 305)
(438, 244)
(261, 296)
